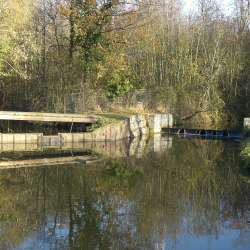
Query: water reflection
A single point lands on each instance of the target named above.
(177, 194)
(113, 149)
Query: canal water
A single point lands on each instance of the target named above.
(176, 193)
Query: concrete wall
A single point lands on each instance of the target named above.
(110, 132)
(142, 124)
(159, 121)
(135, 126)
(8, 138)
(247, 123)
(138, 125)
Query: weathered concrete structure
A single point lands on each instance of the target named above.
(47, 117)
(247, 123)
(143, 124)
(134, 126)
(138, 125)
(159, 121)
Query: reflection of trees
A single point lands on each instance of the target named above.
(198, 183)
(126, 204)
(245, 155)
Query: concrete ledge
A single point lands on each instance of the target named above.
(47, 117)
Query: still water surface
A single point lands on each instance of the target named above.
(186, 195)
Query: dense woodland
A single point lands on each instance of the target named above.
(76, 55)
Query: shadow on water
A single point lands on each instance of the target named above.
(162, 193)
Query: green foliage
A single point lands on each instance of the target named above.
(102, 121)
(52, 49)
(117, 85)
(17, 40)
(114, 74)
(99, 54)
(105, 119)
(90, 21)
(194, 70)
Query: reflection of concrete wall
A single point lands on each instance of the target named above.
(159, 143)
(138, 147)
(156, 143)
(48, 161)
(111, 149)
